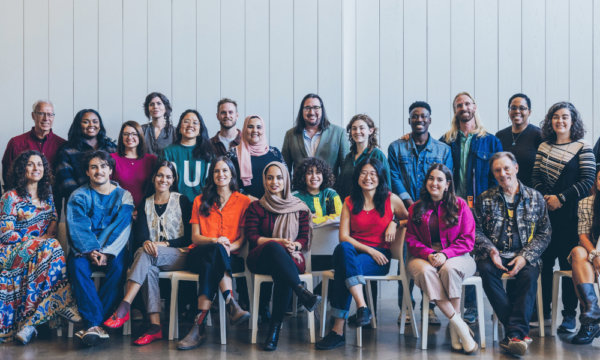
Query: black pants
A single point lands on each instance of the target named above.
(515, 308)
(210, 262)
(564, 239)
(278, 263)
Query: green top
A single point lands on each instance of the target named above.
(325, 205)
(192, 173)
(465, 148)
(343, 184)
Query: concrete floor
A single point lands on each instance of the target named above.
(383, 343)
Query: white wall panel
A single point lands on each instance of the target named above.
(580, 64)
(184, 59)
(305, 50)
(486, 63)
(257, 60)
(330, 57)
(415, 52)
(439, 96)
(557, 51)
(596, 73)
(85, 55)
(60, 58)
(348, 60)
(534, 57)
(367, 58)
(281, 70)
(110, 80)
(509, 64)
(135, 59)
(208, 58)
(35, 56)
(233, 52)
(392, 119)
(462, 50)
(161, 44)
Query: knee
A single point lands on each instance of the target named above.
(140, 253)
(272, 247)
(579, 254)
(447, 271)
(343, 249)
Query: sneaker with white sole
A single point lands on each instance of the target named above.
(71, 314)
(92, 335)
(470, 315)
(433, 318)
(26, 333)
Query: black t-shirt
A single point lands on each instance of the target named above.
(526, 146)
(510, 239)
(421, 147)
(142, 233)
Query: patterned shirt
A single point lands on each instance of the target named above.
(586, 215)
(465, 149)
(325, 205)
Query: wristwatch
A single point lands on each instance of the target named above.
(561, 198)
(397, 222)
(592, 255)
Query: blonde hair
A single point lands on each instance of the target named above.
(452, 135)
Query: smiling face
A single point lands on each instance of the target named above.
(437, 184)
(99, 171)
(34, 170)
(222, 174)
(561, 122)
(518, 111)
(368, 179)
(314, 179)
(464, 108)
(227, 115)
(312, 116)
(131, 138)
(360, 132)
(163, 180)
(274, 181)
(419, 121)
(190, 126)
(90, 125)
(254, 131)
(157, 108)
(43, 117)
(505, 172)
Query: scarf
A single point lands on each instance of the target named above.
(288, 208)
(245, 151)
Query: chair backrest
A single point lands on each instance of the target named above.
(397, 247)
(325, 239)
(62, 237)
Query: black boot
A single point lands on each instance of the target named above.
(272, 337)
(589, 301)
(306, 298)
(586, 334)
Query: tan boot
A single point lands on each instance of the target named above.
(195, 338)
(464, 333)
(237, 315)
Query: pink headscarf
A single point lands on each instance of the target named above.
(245, 151)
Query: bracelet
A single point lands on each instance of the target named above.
(592, 255)
(397, 222)
(561, 198)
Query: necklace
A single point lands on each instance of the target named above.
(513, 137)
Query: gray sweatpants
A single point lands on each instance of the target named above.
(146, 269)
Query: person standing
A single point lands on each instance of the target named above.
(229, 136)
(159, 132)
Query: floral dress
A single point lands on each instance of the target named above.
(34, 286)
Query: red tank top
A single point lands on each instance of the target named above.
(368, 228)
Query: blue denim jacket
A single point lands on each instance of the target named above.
(99, 222)
(480, 176)
(408, 168)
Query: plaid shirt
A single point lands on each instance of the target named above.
(532, 222)
(586, 215)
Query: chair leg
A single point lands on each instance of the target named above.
(311, 314)
(70, 334)
(223, 319)
(371, 305)
(424, 320)
(480, 311)
(556, 278)
(250, 286)
(127, 325)
(59, 332)
(294, 305)
(325, 292)
(173, 321)
(495, 326)
(255, 301)
(462, 302)
(540, 307)
(406, 297)
(359, 336)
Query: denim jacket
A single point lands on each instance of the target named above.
(408, 167)
(480, 177)
(93, 224)
(532, 222)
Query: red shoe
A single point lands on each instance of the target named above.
(115, 322)
(147, 339)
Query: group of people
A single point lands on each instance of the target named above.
(166, 198)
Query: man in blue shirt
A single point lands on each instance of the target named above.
(98, 221)
(409, 159)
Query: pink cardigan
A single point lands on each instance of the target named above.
(456, 241)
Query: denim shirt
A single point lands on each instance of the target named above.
(99, 222)
(408, 167)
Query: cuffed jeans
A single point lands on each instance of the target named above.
(513, 311)
(210, 262)
(350, 268)
(95, 306)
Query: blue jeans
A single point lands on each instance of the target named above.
(95, 307)
(350, 268)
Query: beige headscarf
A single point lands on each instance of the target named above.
(288, 208)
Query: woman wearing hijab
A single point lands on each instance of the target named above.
(278, 228)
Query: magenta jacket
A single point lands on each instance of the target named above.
(456, 241)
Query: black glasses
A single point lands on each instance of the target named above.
(309, 108)
(520, 108)
(42, 114)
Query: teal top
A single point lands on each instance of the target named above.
(324, 205)
(465, 148)
(192, 173)
(343, 184)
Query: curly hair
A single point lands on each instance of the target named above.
(577, 128)
(18, 181)
(322, 167)
(372, 144)
(449, 203)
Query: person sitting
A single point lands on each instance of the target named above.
(585, 260)
(513, 230)
(162, 235)
(367, 226)
(98, 221)
(217, 236)
(278, 228)
(34, 287)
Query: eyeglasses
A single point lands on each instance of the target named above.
(130, 135)
(41, 114)
(372, 175)
(520, 108)
(309, 108)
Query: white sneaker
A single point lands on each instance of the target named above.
(433, 319)
(92, 335)
(26, 333)
(71, 314)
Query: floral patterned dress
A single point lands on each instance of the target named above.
(34, 286)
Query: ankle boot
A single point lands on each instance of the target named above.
(464, 333)
(272, 337)
(590, 314)
(306, 298)
(586, 334)
(236, 314)
(455, 339)
(195, 338)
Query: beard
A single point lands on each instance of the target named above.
(227, 127)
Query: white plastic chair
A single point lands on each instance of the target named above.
(397, 249)
(540, 307)
(254, 287)
(556, 279)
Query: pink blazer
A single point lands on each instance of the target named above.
(456, 241)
